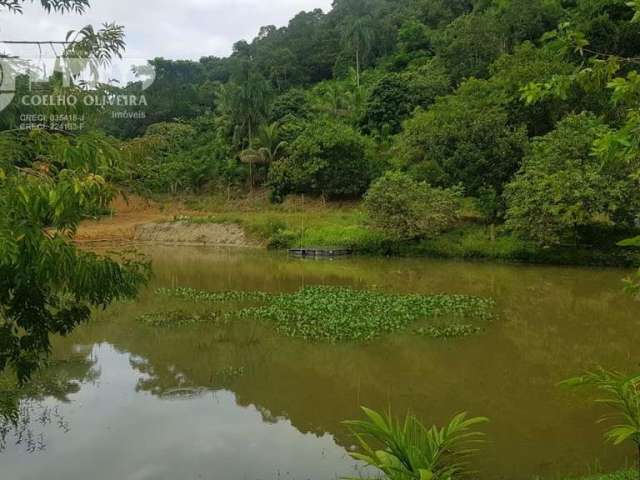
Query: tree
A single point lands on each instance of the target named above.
(396, 95)
(463, 138)
(562, 186)
(405, 209)
(469, 44)
(47, 285)
(268, 147)
(528, 63)
(291, 104)
(327, 158)
(338, 99)
(358, 36)
(77, 6)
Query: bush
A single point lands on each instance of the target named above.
(406, 209)
(463, 138)
(173, 157)
(396, 95)
(562, 188)
(328, 158)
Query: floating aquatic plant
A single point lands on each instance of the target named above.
(343, 314)
(335, 314)
(176, 318)
(204, 296)
(449, 331)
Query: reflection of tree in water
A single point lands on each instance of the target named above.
(24, 410)
(168, 382)
(20, 427)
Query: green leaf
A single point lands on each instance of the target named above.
(425, 474)
(630, 242)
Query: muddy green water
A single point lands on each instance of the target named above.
(242, 403)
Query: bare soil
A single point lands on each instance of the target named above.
(141, 220)
(228, 235)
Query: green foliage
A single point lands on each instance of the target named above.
(408, 450)
(528, 63)
(562, 186)
(245, 102)
(621, 394)
(469, 44)
(406, 209)
(291, 104)
(202, 296)
(449, 331)
(76, 6)
(47, 286)
(176, 318)
(463, 138)
(396, 95)
(178, 157)
(342, 314)
(326, 159)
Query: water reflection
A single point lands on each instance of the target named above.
(26, 412)
(120, 431)
(239, 402)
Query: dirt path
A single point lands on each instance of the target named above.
(138, 219)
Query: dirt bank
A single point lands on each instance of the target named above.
(139, 219)
(191, 233)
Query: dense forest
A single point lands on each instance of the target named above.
(528, 107)
(521, 115)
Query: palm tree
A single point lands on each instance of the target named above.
(268, 147)
(247, 102)
(358, 36)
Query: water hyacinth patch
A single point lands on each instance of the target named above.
(449, 331)
(337, 314)
(204, 296)
(176, 318)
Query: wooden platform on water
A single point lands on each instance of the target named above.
(320, 251)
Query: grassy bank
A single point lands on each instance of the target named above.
(301, 221)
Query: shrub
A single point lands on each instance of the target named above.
(621, 394)
(463, 138)
(396, 95)
(562, 187)
(408, 450)
(173, 157)
(406, 209)
(328, 158)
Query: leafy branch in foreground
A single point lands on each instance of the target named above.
(75, 6)
(621, 393)
(47, 285)
(411, 451)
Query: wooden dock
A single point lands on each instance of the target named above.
(320, 251)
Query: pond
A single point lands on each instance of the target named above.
(125, 400)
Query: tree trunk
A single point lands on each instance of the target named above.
(492, 232)
(250, 158)
(358, 67)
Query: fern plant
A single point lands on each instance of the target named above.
(407, 450)
(621, 393)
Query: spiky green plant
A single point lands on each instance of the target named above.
(621, 393)
(407, 450)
